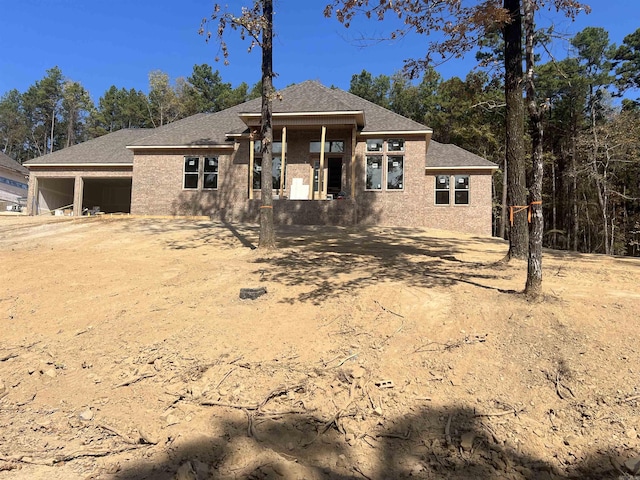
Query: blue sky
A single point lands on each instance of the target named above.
(118, 42)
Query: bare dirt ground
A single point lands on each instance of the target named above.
(126, 353)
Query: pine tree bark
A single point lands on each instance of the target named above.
(516, 178)
(267, 234)
(533, 287)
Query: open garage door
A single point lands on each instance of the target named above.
(54, 193)
(109, 195)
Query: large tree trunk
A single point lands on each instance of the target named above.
(574, 185)
(533, 287)
(267, 235)
(516, 186)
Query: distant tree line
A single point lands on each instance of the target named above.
(591, 191)
(56, 112)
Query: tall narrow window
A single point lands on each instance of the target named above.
(210, 173)
(462, 190)
(191, 172)
(374, 172)
(395, 172)
(442, 189)
(276, 173)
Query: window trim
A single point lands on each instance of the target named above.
(371, 140)
(401, 141)
(258, 160)
(436, 190)
(467, 190)
(452, 199)
(190, 174)
(389, 159)
(205, 173)
(380, 159)
(385, 157)
(200, 173)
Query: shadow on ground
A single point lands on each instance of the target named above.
(449, 443)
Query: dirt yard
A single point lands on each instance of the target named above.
(377, 353)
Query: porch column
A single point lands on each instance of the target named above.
(251, 162)
(321, 170)
(283, 161)
(32, 195)
(78, 193)
(353, 162)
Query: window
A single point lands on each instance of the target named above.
(442, 189)
(276, 147)
(395, 145)
(276, 173)
(395, 171)
(191, 172)
(210, 173)
(462, 190)
(198, 167)
(329, 147)
(393, 174)
(374, 172)
(374, 145)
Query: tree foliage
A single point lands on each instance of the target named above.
(56, 112)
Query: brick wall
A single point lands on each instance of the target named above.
(158, 189)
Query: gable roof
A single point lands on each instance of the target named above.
(213, 129)
(310, 97)
(108, 149)
(10, 164)
(449, 156)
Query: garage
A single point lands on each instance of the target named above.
(83, 195)
(94, 176)
(108, 195)
(54, 194)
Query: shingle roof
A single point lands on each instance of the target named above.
(441, 155)
(199, 129)
(212, 129)
(378, 119)
(9, 163)
(107, 149)
(305, 97)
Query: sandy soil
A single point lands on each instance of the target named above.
(126, 353)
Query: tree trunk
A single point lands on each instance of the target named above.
(504, 215)
(516, 186)
(267, 235)
(71, 121)
(574, 193)
(53, 124)
(554, 212)
(533, 286)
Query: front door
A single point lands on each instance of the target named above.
(334, 176)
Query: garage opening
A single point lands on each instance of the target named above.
(54, 194)
(108, 195)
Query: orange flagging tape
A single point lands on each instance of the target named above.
(521, 208)
(266, 206)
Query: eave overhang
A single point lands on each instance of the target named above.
(76, 165)
(182, 147)
(468, 167)
(350, 117)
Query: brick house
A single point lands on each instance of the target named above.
(337, 159)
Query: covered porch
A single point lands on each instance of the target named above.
(313, 156)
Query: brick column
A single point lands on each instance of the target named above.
(78, 191)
